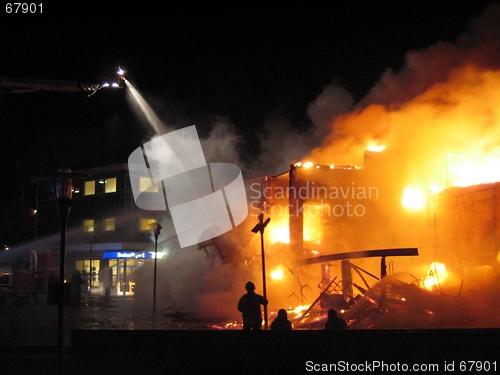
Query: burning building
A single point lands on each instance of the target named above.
(413, 165)
(323, 215)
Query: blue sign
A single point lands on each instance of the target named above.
(126, 255)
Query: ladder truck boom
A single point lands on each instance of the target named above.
(25, 85)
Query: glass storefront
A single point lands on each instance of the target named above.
(123, 274)
(122, 268)
(114, 273)
(89, 269)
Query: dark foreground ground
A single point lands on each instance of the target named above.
(266, 352)
(114, 337)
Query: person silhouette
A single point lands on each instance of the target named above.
(249, 306)
(335, 322)
(76, 288)
(281, 323)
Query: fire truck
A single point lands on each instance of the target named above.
(24, 280)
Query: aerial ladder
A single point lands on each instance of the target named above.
(110, 79)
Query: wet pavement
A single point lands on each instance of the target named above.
(36, 324)
(28, 333)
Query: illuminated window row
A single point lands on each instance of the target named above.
(90, 186)
(145, 224)
(89, 225)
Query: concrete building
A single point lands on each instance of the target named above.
(108, 236)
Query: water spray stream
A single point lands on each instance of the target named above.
(153, 120)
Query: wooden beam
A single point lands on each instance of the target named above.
(409, 251)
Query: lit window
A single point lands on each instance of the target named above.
(89, 188)
(145, 185)
(109, 224)
(147, 224)
(88, 225)
(110, 185)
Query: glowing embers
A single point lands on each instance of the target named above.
(298, 312)
(393, 304)
(311, 165)
(413, 199)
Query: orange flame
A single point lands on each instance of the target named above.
(278, 231)
(413, 199)
(376, 148)
(436, 276)
(447, 135)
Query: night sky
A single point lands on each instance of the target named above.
(193, 64)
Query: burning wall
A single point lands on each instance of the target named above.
(465, 222)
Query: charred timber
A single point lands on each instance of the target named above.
(410, 251)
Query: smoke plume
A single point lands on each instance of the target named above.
(443, 101)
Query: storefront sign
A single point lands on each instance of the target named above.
(126, 254)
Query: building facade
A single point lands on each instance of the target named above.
(108, 237)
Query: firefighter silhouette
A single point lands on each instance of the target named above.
(249, 305)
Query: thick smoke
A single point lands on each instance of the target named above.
(221, 145)
(443, 101)
(281, 144)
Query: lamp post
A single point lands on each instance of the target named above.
(260, 228)
(90, 278)
(64, 194)
(157, 234)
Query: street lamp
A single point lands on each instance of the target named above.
(90, 274)
(157, 234)
(64, 193)
(260, 228)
